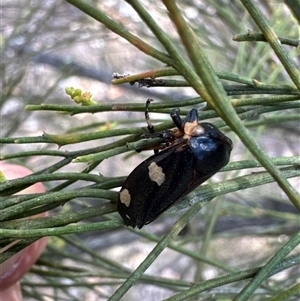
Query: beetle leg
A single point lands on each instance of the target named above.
(147, 117)
(166, 135)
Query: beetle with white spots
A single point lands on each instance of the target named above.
(195, 152)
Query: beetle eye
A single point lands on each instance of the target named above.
(193, 129)
(198, 131)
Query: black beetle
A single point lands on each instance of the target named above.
(196, 151)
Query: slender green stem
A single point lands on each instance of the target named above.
(178, 61)
(186, 251)
(211, 217)
(69, 229)
(120, 30)
(117, 150)
(270, 100)
(220, 100)
(217, 282)
(31, 179)
(235, 184)
(294, 7)
(57, 197)
(180, 224)
(287, 294)
(60, 219)
(246, 164)
(265, 271)
(273, 40)
(168, 71)
(252, 36)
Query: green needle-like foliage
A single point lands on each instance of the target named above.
(237, 62)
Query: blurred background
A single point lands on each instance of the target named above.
(47, 46)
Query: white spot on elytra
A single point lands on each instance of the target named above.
(156, 173)
(125, 197)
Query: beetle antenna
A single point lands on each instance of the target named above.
(147, 117)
